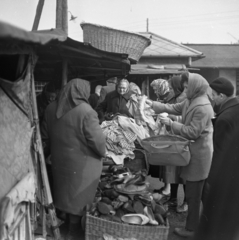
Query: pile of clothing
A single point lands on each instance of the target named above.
(119, 143)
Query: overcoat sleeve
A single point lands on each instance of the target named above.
(101, 109)
(220, 146)
(93, 133)
(196, 126)
(175, 109)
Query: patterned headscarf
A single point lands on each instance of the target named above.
(161, 86)
(134, 88)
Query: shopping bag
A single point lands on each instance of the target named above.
(167, 150)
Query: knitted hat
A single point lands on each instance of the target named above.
(222, 85)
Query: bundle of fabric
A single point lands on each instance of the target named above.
(143, 114)
(119, 142)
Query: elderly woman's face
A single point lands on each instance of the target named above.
(122, 88)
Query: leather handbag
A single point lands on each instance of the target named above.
(165, 150)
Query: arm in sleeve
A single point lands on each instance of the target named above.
(175, 109)
(197, 125)
(101, 109)
(93, 133)
(223, 133)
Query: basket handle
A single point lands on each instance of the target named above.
(159, 146)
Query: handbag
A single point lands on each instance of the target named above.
(167, 150)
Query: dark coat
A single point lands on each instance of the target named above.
(105, 90)
(220, 216)
(114, 103)
(93, 100)
(77, 144)
(225, 123)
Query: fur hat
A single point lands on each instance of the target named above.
(222, 85)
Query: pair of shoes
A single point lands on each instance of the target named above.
(172, 203)
(182, 208)
(183, 232)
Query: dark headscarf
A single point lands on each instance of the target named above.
(73, 94)
(176, 85)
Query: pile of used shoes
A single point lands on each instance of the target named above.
(123, 197)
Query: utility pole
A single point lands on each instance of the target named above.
(38, 15)
(147, 25)
(62, 23)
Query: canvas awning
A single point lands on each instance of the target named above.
(53, 46)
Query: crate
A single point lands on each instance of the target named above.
(96, 227)
(113, 40)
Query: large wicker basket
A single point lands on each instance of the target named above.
(113, 40)
(96, 227)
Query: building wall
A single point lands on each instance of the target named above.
(230, 74)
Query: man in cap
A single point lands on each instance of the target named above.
(111, 86)
(220, 216)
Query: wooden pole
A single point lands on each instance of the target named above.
(65, 16)
(59, 14)
(147, 25)
(62, 23)
(38, 14)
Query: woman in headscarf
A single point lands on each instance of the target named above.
(77, 144)
(161, 89)
(196, 125)
(134, 88)
(171, 174)
(164, 94)
(115, 102)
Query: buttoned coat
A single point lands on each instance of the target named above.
(196, 125)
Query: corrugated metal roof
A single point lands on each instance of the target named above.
(162, 47)
(217, 55)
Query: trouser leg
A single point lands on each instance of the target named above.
(174, 190)
(193, 195)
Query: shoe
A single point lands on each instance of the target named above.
(160, 191)
(172, 203)
(182, 208)
(183, 232)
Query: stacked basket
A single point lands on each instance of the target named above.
(113, 40)
(97, 227)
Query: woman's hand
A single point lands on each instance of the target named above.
(149, 102)
(166, 121)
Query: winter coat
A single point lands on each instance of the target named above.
(114, 103)
(196, 125)
(77, 144)
(105, 90)
(220, 216)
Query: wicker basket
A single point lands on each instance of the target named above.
(96, 227)
(113, 40)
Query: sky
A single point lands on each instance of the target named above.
(182, 21)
